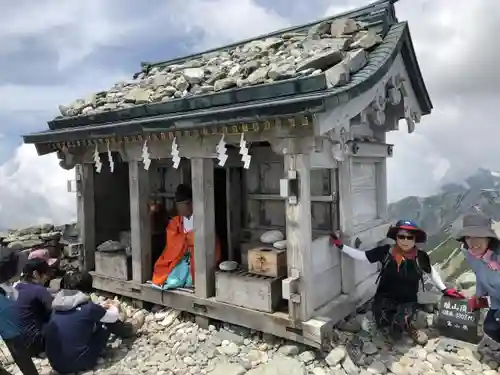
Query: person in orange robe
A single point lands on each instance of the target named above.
(180, 238)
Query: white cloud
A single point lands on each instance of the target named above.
(33, 190)
(88, 26)
(457, 60)
(73, 29)
(239, 20)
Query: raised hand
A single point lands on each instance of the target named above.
(336, 240)
(453, 293)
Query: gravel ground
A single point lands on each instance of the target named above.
(170, 343)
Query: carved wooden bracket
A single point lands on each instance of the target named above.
(67, 160)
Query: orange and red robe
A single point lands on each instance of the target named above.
(177, 244)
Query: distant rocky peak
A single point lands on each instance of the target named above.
(483, 179)
(437, 213)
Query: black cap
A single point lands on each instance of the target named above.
(36, 264)
(183, 193)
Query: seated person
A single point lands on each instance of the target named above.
(52, 262)
(180, 238)
(10, 330)
(79, 329)
(34, 302)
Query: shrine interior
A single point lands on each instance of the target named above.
(247, 204)
(111, 200)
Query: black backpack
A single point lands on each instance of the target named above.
(387, 260)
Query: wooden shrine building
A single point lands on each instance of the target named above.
(284, 132)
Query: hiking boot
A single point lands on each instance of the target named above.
(419, 337)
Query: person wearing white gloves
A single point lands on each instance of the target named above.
(403, 266)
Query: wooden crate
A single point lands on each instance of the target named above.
(267, 261)
(113, 264)
(73, 250)
(244, 289)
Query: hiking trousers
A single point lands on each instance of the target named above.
(21, 356)
(394, 315)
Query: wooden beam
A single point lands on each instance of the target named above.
(140, 223)
(299, 239)
(202, 177)
(86, 214)
(369, 149)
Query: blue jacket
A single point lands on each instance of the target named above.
(487, 279)
(9, 314)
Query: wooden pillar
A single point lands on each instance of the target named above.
(233, 210)
(346, 226)
(86, 214)
(382, 183)
(299, 238)
(202, 176)
(140, 224)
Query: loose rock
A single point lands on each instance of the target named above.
(291, 55)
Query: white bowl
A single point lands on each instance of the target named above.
(228, 265)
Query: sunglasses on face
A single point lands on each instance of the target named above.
(404, 237)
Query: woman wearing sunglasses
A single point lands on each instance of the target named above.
(403, 267)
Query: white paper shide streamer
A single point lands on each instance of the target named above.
(221, 151)
(245, 158)
(145, 156)
(110, 159)
(175, 153)
(97, 160)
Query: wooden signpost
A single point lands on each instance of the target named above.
(456, 322)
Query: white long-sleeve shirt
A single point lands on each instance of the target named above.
(361, 256)
(112, 315)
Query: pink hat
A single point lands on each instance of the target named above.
(42, 254)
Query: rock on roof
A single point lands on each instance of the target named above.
(287, 56)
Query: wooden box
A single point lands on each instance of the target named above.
(73, 250)
(244, 289)
(267, 261)
(113, 264)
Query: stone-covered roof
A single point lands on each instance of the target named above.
(276, 68)
(290, 55)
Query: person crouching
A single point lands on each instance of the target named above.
(403, 266)
(11, 264)
(79, 329)
(481, 245)
(34, 304)
(53, 263)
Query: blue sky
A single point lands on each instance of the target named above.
(54, 52)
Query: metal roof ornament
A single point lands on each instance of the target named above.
(97, 160)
